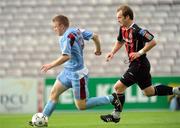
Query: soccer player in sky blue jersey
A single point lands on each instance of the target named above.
(75, 74)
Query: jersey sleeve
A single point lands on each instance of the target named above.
(87, 35)
(67, 44)
(119, 38)
(146, 35)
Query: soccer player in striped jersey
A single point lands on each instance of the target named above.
(138, 42)
(75, 74)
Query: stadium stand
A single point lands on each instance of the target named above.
(27, 41)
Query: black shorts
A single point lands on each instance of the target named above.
(139, 73)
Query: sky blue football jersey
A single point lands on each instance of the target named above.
(72, 44)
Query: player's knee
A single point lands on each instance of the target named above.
(119, 87)
(148, 94)
(80, 104)
(81, 107)
(116, 88)
(149, 91)
(54, 95)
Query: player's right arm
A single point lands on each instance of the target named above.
(119, 43)
(116, 47)
(62, 59)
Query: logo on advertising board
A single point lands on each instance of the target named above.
(18, 95)
(14, 101)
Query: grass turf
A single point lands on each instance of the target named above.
(90, 119)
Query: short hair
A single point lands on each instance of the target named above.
(126, 11)
(62, 20)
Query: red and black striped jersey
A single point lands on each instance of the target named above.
(134, 38)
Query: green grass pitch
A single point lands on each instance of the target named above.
(90, 119)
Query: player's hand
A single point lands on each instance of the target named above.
(97, 53)
(134, 55)
(45, 68)
(109, 56)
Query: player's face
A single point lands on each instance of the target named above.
(58, 28)
(121, 19)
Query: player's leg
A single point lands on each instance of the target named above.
(81, 94)
(61, 84)
(118, 102)
(57, 89)
(161, 90)
(88, 103)
(144, 82)
(119, 97)
(128, 79)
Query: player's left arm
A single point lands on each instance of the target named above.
(150, 43)
(97, 43)
(148, 46)
(87, 35)
(62, 59)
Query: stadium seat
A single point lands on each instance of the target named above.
(27, 39)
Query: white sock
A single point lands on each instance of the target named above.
(115, 114)
(176, 91)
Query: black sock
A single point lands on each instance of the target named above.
(122, 100)
(163, 90)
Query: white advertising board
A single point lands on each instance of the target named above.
(18, 95)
